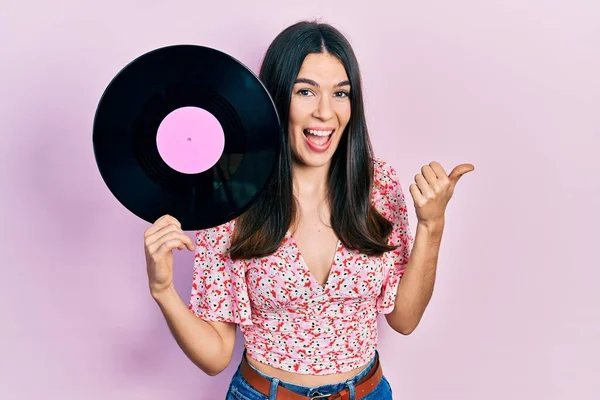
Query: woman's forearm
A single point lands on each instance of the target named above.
(209, 345)
(416, 286)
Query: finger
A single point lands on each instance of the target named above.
(162, 222)
(459, 171)
(440, 172)
(182, 240)
(156, 226)
(168, 246)
(416, 194)
(162, 232)
(186, 242)
(189, 243)
(430, 177)
(424, 187)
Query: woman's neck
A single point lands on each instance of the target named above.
(310, 181)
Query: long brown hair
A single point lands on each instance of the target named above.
(358, 225)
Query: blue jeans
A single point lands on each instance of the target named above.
(240, 389)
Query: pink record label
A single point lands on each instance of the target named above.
(190, 140)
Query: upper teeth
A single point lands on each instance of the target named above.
(319, 133)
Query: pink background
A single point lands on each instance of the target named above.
(510, 86)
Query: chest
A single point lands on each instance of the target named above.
(316, 244)
(284, 281)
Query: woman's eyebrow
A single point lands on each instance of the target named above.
(313, 83)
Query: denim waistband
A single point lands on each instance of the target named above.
(322, 389)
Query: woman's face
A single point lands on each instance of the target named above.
(319, 109)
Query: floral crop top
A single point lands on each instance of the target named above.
(288, 319)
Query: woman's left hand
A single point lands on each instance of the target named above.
(433, 189)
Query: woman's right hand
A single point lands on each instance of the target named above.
(159, 241)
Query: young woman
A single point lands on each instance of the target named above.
(327, 248)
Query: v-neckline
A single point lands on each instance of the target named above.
(293, 242)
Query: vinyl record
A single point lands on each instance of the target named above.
(187, 131)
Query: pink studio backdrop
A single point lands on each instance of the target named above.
(510, 86)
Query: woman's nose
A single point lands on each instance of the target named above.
(324, 110)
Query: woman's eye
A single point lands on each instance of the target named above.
(341, 94)
(304, 92)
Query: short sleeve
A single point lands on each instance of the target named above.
(219, 291)
(390, 201)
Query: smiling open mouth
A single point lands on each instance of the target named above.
(318, 137)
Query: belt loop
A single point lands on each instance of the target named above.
(350, 384)
(273, 392)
